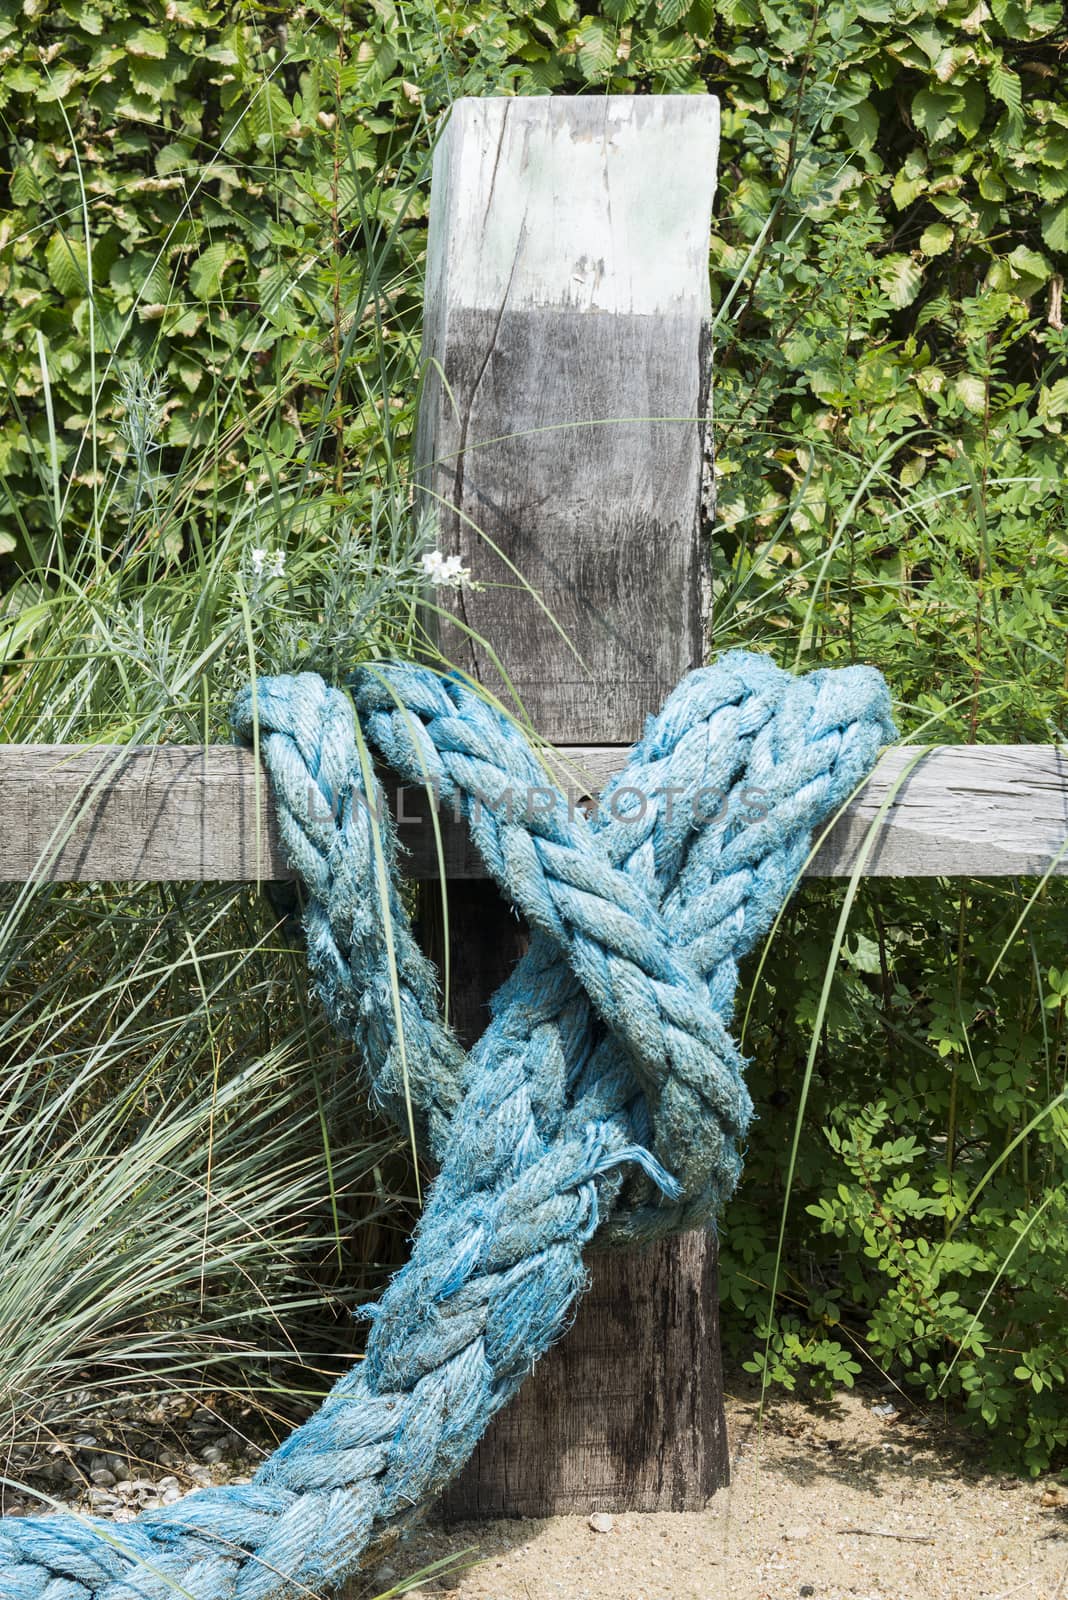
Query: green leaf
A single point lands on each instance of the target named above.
(59, 83)
(140, 276)
(971, 392)
(935, 112)
(149, 77)
(1030, 266)
(67, 263)
(911, 180)
(173, 158)
(596, 48)
(1005, 86)
(22, 79)
(991, 185)
(205, 275)
(24, 185)
(1053, 402)
(970, 116)
(1043, 18)
(1054, 221)
(929, 39)
(146, 43)
(900, 279)
(1022, 20)
(1052, 185)
(936, 239)
(862, 121)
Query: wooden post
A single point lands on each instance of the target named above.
(560, 452)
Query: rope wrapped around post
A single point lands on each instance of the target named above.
(605, 1099)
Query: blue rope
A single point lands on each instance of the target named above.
(606, 1096)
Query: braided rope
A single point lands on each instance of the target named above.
(606, 1096)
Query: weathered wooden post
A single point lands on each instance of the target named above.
(560, 452)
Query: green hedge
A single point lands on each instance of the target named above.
(197, 153)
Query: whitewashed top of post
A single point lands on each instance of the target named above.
(588, 249)
(563, 418)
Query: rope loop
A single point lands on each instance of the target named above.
(606, 1100)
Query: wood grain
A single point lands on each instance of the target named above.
(562, 422)
(629, 1405)
(83, 813)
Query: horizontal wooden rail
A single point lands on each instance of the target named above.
(76, 813)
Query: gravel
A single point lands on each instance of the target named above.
(142, 1452)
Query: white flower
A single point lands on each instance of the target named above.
(266, 562)
(448, 570)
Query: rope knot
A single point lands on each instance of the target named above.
(606, 1099)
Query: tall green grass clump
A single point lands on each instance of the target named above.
(192, 1192)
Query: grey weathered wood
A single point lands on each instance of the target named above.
(559, 452)
(167, 812)
(79, 813)
(626, 1411)
(963, 811)
(566, 350)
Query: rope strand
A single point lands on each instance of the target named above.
(605, 1099)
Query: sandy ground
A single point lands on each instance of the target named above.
(852, 1499)
(830, 1500)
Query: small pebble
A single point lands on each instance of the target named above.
(103, 1478)
(600, 1522)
